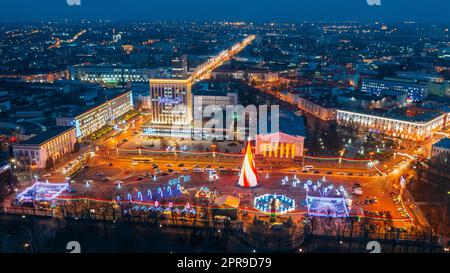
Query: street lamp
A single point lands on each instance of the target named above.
(340, 157)
(304, 154)
(213, 147)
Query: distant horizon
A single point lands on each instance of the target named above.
(100, 20)
(257, 11)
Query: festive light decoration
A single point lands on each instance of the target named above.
(248, 177)
(265, 203)
(326, 201)
(40, 191)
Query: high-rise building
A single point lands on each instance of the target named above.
(171, 101)
(179, 67)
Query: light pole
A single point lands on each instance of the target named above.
(341, 154)
(303, 159)
(213, 147)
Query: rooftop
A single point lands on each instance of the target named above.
(86, 108)
(402, 114)
(443, 143)
(47, 135)
(220, 93)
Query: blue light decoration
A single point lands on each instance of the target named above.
(180, 180)
(283, 203)
(149, 194)
(40, 191)
(327, 201)
(170, 101)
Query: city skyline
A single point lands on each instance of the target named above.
(433, 11)
(192, 127)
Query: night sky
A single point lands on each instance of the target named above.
(427, 11)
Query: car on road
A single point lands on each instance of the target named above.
(181, 165)
(170, 170)
(341, 173)
(134, 163)
(164, 174)
(99, 174)
(329, 172)
(126, 171)
(357, 191)
(185, 169)
(308, 168)
(47, 175)
(124, 140)
(236, 170)
(109, 164)
(350, 174)
(197, 170)
(316, 171)
(104, 179)
(138, 178)
(169, 165)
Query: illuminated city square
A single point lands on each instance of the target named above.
(213, 135)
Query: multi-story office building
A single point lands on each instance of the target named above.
(171, 101)
(320, 109)
(404, 124)
(416, 90)
(99, 116)
(179, 67)
(441, 148)
(111, 74)
(53, 143)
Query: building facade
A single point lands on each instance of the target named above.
(441, 148)
(53, 143)
(179, 67)
(171, 101)
(279, 145)
(416, 90)
(322, 112)
(104, 114)
(401, 127)
(110, 74)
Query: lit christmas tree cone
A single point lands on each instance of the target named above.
(248, 177)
